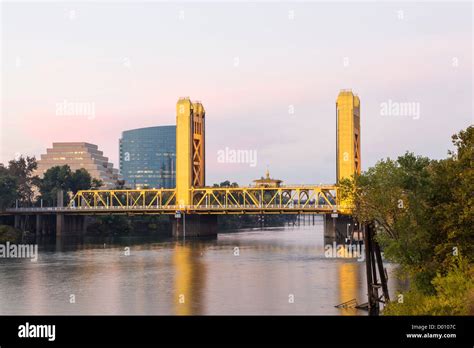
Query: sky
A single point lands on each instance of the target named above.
(267, 73)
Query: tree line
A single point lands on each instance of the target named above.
(19, 183)
(423, 210)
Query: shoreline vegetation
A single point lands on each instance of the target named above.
(423, 211)
(142, 226)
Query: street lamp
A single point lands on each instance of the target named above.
(177, 215)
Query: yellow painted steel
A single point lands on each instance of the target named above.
(124, 199)
(281, 199)
(192, 196)
(212, 200)
(184, 116)
(190, 148)
(198, 151)
(348, 135)
(348, 139)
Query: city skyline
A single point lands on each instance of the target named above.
(269, 87)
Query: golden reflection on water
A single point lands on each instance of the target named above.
(348, 285)
(191, 278)
(190, 274)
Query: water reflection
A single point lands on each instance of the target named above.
(349, 284)
(167, 276)
(190, 277)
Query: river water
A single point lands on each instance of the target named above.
(264, 271)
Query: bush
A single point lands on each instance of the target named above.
(10, 234)
(454, 294)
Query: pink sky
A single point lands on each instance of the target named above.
(133, 75)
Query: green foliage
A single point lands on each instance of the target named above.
(80, 180)
(452, 200)
(17, 182)
(226, 184)
(453, 294)
(392, 194)
(96, 184)
(23, 169)
(110, 225)
(8, 188)
(120, 185)
(62, 178)
(117, 225)
(424, 213)
(55, 179)
(10, 234)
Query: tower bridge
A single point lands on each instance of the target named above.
(198, 205)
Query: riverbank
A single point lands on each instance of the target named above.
(14, 235)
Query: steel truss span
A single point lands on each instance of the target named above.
(211, 200)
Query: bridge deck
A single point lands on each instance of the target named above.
(206, 200)
(217, 210)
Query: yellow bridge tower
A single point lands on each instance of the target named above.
(190, 149)
(348, 135)
(196, 206)
(347, 161)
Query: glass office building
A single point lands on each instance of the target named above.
(148, 157)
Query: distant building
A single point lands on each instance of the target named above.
(80, 155)
(148, 157)
(267, 181)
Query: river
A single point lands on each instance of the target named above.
(265, 271)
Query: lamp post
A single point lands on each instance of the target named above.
(177, 215)
(184, 226)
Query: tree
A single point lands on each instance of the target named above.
(8, 188)
(62, 178)
(96, 184)
(22, 169)
(80, 180)
(55, 179)
(451, 200)
(226, 184)
(453, 294)
(424, 211)
(120, 185)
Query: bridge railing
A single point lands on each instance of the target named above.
(174, 208)
(213, 199)
(127, 199)
(285, 197)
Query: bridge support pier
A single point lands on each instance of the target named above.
(17, 221)
(336, 229)
(70, 225)
(194, 225)
(59, 225)
(39, 225)
(46, 225)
